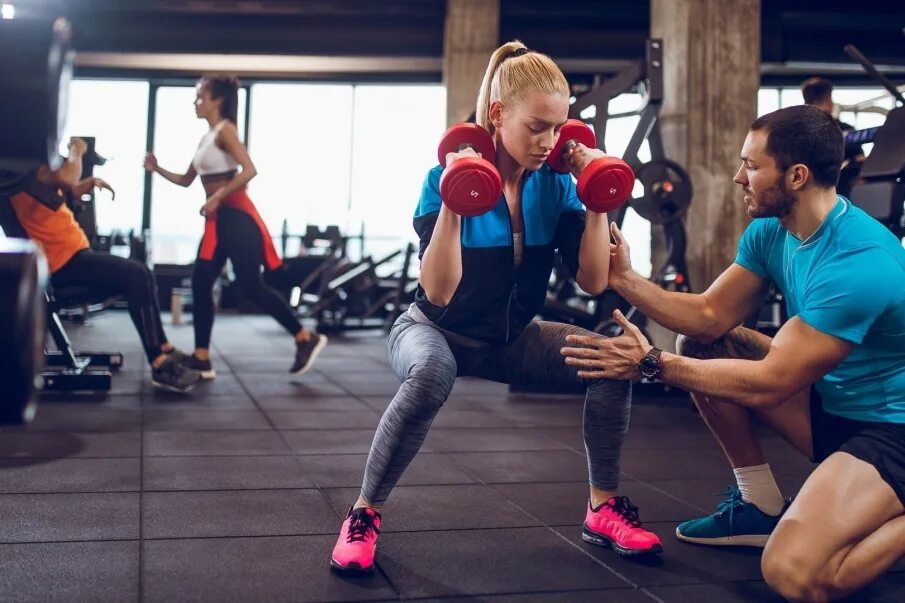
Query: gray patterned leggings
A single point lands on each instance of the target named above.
(428, 364)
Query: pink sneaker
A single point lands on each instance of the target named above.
(616, 524)
(357, 542)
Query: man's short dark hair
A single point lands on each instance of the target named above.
(816, 90)
(804, 134)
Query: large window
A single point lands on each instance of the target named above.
(115, 113)
(395, 134)
(176, 224)
(301, 141)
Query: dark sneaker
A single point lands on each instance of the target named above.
(357, 543)
(735, 523)
(189, 361)
(616, 524)
(174, 377)
(306, 352)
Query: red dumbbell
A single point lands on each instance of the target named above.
(469, 186)
(605, 183)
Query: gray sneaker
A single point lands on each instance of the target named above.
(174, 377)
(190, 362)
(306, 352)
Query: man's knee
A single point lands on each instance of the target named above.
(793, 575)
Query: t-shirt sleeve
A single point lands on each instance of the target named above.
(570, 227)
(428, 209)
(753, 249)
(847, 299)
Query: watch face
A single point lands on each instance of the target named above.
(649, 366)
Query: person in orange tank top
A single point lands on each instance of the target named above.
(233, 228)
(36, 209)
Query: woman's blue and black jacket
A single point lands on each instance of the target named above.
(496, 300)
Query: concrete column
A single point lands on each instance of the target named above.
(711, 77)
(471, 34)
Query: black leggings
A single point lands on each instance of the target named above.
(112, 275)
(239, 239)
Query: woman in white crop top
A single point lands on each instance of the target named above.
(233, 229)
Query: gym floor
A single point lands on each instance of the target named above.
(236, 493)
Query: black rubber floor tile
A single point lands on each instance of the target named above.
(524, 467)
(263, 386)
(347, 470)
(73, 571)
(613, 595)
(226, 513)
(223, 473)
(224, 384)
(680, 563)
(323, 419)
(687, 438)
(565, 504)
(665, 463)
(36, 445)
(338, 441)
(251, 569)
(380, 388)
(197, 399)
(669, 418)
(69, 475)
(166, 419)
(335, 403)
(726, 592)
(488, 440)
(58, 517)
(214, 443)
(62, 418)
(461, 507)
(472, 562)
(451, 417)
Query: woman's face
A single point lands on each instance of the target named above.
(204, 104)
(529, 127)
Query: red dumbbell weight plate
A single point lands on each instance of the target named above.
(573, 129)
(461, 135)
(605, 184)
(470, 186)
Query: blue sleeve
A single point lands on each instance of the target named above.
(753, 248)
(428, 209)
(570, 227)
(845, 300)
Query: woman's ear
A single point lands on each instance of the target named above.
(496, 113)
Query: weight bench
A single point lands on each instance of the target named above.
(66, 370)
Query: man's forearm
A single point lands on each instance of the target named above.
(740, 381)
(685, 313)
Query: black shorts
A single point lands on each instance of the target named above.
(880, 444)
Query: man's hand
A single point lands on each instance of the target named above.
(611, 358)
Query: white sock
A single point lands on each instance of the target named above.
(759, 488)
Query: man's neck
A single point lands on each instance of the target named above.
(810, 211)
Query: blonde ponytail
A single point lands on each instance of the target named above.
(512, 71)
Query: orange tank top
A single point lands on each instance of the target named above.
(57, 232)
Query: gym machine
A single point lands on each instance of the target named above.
(665, 194)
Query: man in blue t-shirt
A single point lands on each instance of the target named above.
(832, 381)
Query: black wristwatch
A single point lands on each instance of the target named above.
(650, 364)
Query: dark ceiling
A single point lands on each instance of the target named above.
(793, 31)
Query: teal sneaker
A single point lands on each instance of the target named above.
(735, 523)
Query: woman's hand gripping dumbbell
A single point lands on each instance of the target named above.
(470, 184)
(604, 183)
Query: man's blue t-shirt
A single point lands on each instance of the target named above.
(846, 280)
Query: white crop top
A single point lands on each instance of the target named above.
(209, 158)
